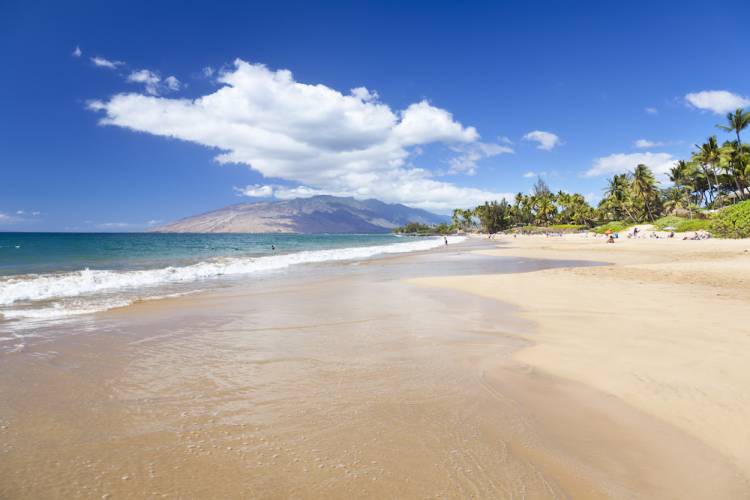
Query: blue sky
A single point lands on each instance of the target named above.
(452, 102)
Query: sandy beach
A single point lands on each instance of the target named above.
(663, 327)
(514, 368)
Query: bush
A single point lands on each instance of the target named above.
(681, 224)
(732, 222)
(616, 226)
(693, 225)
(668, 221)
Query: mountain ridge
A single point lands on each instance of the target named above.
(314, 215)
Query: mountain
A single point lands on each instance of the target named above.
(319, 214)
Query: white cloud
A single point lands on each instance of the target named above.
(470, 154)
(153, 83)
(544, 140)
(106, 63)
(208, 72)
(77, 52)
(717, 101)
(10, 219)
(619, 163)
(20, 212)
(256, 191)
(172, 83)
(284, 192)
(651, 111)
(154, 222)
(148, 78)
(313, 135)
(645, 144)
(531, 174)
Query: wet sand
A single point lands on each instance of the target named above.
(343, 381)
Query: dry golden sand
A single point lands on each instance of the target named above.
(352, 383)
(665, 327)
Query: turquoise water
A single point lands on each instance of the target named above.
(48, 276)
(24, 253)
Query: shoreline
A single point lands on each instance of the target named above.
(347, 382)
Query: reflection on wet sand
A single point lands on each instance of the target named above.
(342, 383)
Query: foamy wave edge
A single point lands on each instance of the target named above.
(87, 282)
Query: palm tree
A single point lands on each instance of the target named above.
(682, 176)
(737, 122)
(468, 220)
(617, 193)
(545, 209)
(644, 187)
(708, 156)
(675, 198)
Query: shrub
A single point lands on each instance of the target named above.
(668, 221)
(693, 225)
(732, 222)
(681, 224)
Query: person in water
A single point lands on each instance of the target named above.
(273, 248)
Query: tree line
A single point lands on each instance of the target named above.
(715, 176)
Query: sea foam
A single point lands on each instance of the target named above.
(87, 282)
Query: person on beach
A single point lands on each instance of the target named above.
(273, 248)
(611, 239)
(446, 239)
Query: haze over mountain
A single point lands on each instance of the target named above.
(319, 214)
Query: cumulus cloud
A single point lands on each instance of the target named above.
(717, 101)
(149, 79)
(284, 192)
(256, 191)
(152, 82)
(106, 63)
(172, 83)
(208, 71)
(544, 140)
(651, 111)
(77, 52)
(619, 163)
(311, 135)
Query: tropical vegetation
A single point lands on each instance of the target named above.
(714, 183)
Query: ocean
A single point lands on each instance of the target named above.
(45, 277)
